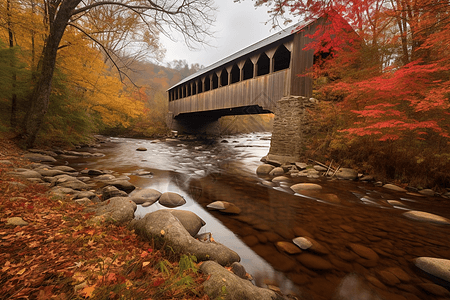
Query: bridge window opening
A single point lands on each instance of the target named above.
(248, 69)
(179, 93)
(263, 65)
(207, 83)
(184, 89)
(224, 77)
(189, 90)
(235, 74)
(281, 59)
(194, 88)
(200, 86)
(215, 81)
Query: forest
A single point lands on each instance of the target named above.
(384, 85)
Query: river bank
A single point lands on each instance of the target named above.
(361, 228)
(50, 250)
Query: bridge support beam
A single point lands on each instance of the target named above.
(291, 128)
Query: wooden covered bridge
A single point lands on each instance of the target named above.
(249, 81)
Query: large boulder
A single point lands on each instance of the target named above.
(145, 195)
(74, 184)
(27, 174)
(190, 221)
(223, 284)
(162, 224)
(118, 209)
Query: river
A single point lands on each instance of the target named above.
(340, 218)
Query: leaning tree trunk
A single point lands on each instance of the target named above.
(41, 93)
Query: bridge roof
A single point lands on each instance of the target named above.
(258, 45)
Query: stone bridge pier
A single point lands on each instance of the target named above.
(292, 128)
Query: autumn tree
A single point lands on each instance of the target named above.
(190, 17)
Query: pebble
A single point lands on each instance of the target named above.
(364, 252)
(314, 262)
(302, 242)
(288, 247)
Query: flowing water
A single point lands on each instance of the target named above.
(364, 246)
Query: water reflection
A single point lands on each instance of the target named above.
(358, 228)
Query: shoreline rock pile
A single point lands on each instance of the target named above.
(109, 197)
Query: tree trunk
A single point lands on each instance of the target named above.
(41, 93)
(13, 120)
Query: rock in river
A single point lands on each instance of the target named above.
(264, 169)
(437, 267)
(225, 207)
(305, 186)
(170, 199)
(146, 195)
(426, 217)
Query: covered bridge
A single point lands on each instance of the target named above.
(258, 75)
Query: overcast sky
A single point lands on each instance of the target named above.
(237, 26)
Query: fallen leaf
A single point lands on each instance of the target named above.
(21, 271)
(145, 263)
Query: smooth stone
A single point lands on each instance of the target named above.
(305, 186)
(396, 203)
(278, 171)
(364, 252)
(281, 179)
(26, 174)
(394, 187)
(438, 267)
(5, 162)
(435, 289)
(84, 194)
(105, 177)
(264, 169)
(268, 183)
(224, 207)
(239, 270)
(426, 217)
(64, 168)
(83, 201)
(145, 195)
(16, 221)
(141, 149)
(162, 224)
(111, 192)
(330, 198)
(302, 242)
(36, 157)
(427, 192)
(147, 204)
(223, 284)
(347, 174)
(118, 209)
(189, 220)
(300, 165)
(314, 262)
(170, 199)
(49, 173)
(121, 184)
(320, 168)
(74, 184)
(400, 274)
(388, 278)
(95, 172)
(288, 247)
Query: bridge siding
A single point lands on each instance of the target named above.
(262, 90)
